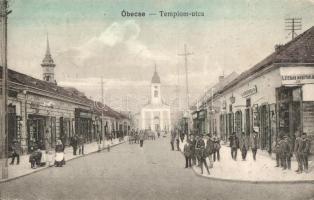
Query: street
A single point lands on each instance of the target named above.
(129, 172)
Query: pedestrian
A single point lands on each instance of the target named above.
(217, 146)
(282, 152)
(141, 137)
(276, 150)
(172, 139)
(59, 160)
(35, 157)
(187, 154)
(285, 152)
(192, 144)
(15, 148)
(74, 143)
(81, 142)
(234, 145)
(200, 146)
(306, 146)
(177, 140)
(254, 143)
(243, 146)
(298, 151)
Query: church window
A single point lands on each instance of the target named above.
(155, 93)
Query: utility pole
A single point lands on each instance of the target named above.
(187, 113)
(4, 117)
(102, 112)
(292, 25)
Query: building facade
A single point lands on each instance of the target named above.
(156, 114)
(275, 97)
(40, 112)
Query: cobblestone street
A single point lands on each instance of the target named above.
(129, 172)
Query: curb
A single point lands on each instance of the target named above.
(250, 181)
(46, 167)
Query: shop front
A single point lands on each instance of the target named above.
(295, 101)
(83, 124)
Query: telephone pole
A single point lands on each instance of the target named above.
(186, 54)
(187, 112)
(4, 118)
(102, 112)
(292, 25)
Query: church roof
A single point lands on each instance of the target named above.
(155, 78)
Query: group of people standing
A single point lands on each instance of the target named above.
(197, 149)
(285, 148)
(77, 142)
(243, 143)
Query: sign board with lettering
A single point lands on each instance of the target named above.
(297, 75)
(249, 92)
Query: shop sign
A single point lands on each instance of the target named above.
(297, 79)
(297, 75)
(249, 92)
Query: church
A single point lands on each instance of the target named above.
(156, 114)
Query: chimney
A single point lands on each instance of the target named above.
(278, 47)
(221, 78)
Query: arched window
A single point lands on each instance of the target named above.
(156, 93)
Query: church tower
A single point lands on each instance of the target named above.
(155, 88)
(48, 66)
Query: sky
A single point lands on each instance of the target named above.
(90, 39)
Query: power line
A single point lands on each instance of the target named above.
(292, 25)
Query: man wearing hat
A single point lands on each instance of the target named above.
(234, 145)
(254, 143)
(15, 147)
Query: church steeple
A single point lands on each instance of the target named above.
(156, 78)
(48, 65)
(155, 88)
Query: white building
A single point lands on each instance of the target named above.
(156, 114)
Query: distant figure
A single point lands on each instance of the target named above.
(35, 157)
(74, 143)
(234, 145)
(15, 148)
(172, 139)
(177, 140)
(141, 137)
(81, 142)
(200, 147)
(254, 144)
(285, 147)
(59, 160)
(192, 147)
(244, 146)
(305, 151)
(217, 147)
(187, 154)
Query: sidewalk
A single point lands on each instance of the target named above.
(261, 170)
(24, 168)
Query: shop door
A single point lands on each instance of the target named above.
(12, 125)
(247, 121)
(35, 132)
(238, 123)
(265, 127)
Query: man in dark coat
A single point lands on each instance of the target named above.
(234, 145)
(244, 146)
(74, 143)
(254, 143)
(192, 147)
(298, 151)
(15, 147)
(187, 154)
(200, 147)
(172, 139)
(306, 146)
